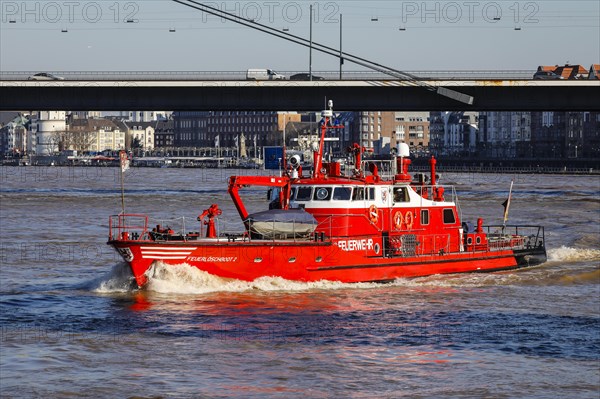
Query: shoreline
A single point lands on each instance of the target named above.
(534, 170)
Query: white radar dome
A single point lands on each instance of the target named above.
(403, 150)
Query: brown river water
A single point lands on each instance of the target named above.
(71, 325)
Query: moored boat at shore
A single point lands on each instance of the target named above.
(327, 225)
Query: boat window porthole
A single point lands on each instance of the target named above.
(478, 240)
(322, 193)
(257, 260)
(319, 259)
(469, 240)
(292, 260)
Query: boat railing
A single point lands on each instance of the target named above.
(514, 237)
(137, 227)
(295, 232)
(435, 193)
(385, 168)
(186, 229)
(345, 223)
(418, 245)
(171, 230)
(127, 226)
(134, 227)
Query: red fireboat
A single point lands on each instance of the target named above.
(326, 225)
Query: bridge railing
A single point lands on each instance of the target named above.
(241, 75)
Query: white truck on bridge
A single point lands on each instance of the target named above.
(263, 74)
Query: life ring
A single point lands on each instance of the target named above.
(398, 220)
(409, 220)
(373, 214)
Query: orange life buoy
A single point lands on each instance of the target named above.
(398, 220)
(373, 214)
(409, 220)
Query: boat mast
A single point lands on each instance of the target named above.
(124, 165)
(318, 155)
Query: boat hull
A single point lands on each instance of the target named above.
(313, 260)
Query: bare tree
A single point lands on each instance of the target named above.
(83, 140)
(78, 140)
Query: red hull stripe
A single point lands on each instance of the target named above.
(413, 263)
(166, 252)
(167, 249)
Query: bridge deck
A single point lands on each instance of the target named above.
(349, 95)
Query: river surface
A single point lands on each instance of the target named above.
(71, 326)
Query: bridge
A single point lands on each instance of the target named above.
(231, 94)
(403, 91)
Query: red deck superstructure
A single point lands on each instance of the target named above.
(329, 226)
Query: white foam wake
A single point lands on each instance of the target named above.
(118, 279)
(186, 279)
(567, 254)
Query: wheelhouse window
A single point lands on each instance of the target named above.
(358, 194)
(303, 193)
(363, 193)
(424, 217)
(401, 194)
(342, 193)
(322, 194)
(449, 216)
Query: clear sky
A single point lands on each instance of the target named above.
(161, 35)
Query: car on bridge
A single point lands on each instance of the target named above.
(305, 76)
(45, 76)
(263, 74)
(546, 75)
